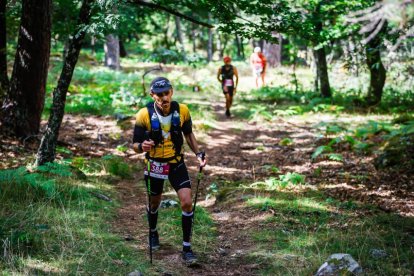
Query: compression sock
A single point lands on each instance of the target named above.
(152, 219)
(187, 223)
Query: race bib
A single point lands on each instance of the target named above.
(158, 170)
(228, 82)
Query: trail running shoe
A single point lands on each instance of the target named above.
(154, 240)
(228, 113)
(189, 258)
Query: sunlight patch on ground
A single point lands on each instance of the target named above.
(41, 266)
(306, 203)
(298, 168)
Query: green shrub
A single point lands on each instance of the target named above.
(115, 165)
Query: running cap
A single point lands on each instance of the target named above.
(160, 84)
(257, 50)
(227, 59)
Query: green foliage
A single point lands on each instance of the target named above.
(60, 227)
(121, 148)
(58, 169)
(335, 157)
(286, 142)
(302, 229)
(165, 56)
(282, 182)
(115, 165)
(327, 108)
(40, 184)
(271, 168)
(319, 150)
(63, 150)
(291, 110)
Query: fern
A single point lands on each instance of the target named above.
(319, 150)
(335, 157)
(291, 178)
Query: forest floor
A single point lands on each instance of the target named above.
(237, 151)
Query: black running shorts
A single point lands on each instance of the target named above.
(230, 90)
(178, 178)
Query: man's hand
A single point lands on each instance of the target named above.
(201, 156)
(147, 145)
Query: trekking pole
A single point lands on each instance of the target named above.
(148, 183)
(199, 175)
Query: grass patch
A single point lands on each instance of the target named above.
(51, 224)
(306, 228)
(204, 232)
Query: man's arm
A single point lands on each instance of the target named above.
(219, 75)
(140, 140)
(192, 142)
(236, 74)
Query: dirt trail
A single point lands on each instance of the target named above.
(237, 151)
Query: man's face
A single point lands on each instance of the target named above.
(163, 99)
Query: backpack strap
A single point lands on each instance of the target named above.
(156, 132)
(175, 131)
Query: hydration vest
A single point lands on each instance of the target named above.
(175, 130)
(227, 72)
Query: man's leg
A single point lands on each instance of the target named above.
(228, 104)
(152, 215)
(263, 78)
(180, 180)
(184, 195)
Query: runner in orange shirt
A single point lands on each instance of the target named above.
(258, 64)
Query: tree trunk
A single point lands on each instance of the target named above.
(180, 36)
(111, 49)
(47, 149)
(24, 102)
(239, 48)
(316, 72)
(322, 71)
(376, 68)
(194, 37)
(210, 42)
(93, 43)
(242, 48)
(273, 52)
(4, 79)
(122, 51)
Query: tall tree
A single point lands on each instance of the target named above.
(320, 54)
(47, 149)
(112, 53)
(24, 102)
(210, 42)
(375, 66)
(4, 80)
(180, 35)
(273, 51)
